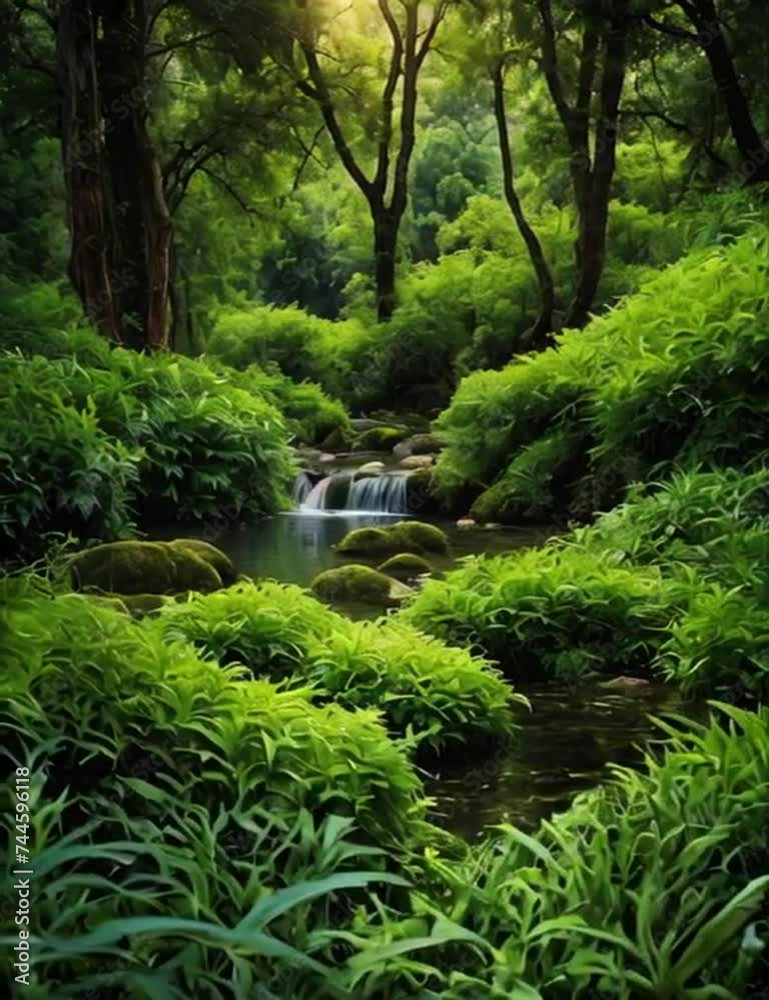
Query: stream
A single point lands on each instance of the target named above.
(573, 730)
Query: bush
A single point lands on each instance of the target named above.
(678, 371)
(198, 445)
(551, 611)
(59, 471)
(124, 702)
(441, 694)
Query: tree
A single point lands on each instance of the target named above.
(386, 192)
(603, 27)
(710, 34)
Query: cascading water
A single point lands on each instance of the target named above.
(383, 494)
(302, 488)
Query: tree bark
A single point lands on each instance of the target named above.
(90, 256)
(710, 34)
(538, 336)
(119, 222)
(385, 251)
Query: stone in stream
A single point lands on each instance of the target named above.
(418, 444)
(370, 469)
(406, 536)
(405, 566)
(624, 683)
(140, 568)
(360, 584)
(417, 461)
(466, 523)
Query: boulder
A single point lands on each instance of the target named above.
(625, 683)
(405, 566)
(406, 536)
(370, 469)
(417, 461)
(466, 524)
(418, 444)
(361, 584)
(140, 568)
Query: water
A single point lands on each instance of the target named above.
(563, 748)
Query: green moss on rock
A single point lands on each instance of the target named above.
(418, 536)
(210, 554)
(138, 568)
(353, 583)
(406, 536)
(366, 541)
(405, 566)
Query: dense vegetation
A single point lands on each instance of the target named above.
(519, 250)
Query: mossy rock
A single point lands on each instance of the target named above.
(406, 536)
(139, 568)
(405, 566)
(139, 605)
(204, 550)
(418, 536)
(353, 583)
(378, 439)
(366, 541)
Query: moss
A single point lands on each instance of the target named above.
(210, 554)
(378, 439)
(366, 541)
(406, 536)
(135, 568)
(405, 566)
(417, 536)
(353, 583)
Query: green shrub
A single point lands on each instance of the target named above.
(677, 371)
(200, 445)
(124, 702)
(59, 471)
(531, 610)
(442, 694)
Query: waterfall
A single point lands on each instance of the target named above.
(385, 494)
(302, 488)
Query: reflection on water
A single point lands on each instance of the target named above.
(296, 546)
(564, 744)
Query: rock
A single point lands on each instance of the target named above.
(354, 583)
(405, 566)
(370, 469)
(466, 524)
(204, 550)
(406, 536)
(417, 461)
(624, 683)
(418, 444)
(378, 439)
(337, 440)
(492, 526)
(325, 457)
(139, 568)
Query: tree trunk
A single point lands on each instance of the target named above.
(90, 260)
(594, 195)
(385, 249)
(704, 16)
(140, 215)
(538, 336)
(119, 222)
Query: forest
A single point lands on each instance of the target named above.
(384, 499)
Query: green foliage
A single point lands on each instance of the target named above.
(675, 372)
(440, 694)
(163, 435)
(531, 610)
(125, 703)
(648, 886)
